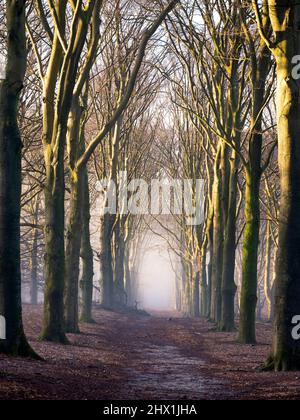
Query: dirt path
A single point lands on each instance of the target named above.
(157, 357)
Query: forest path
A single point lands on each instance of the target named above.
(124, 356)
(165, 360)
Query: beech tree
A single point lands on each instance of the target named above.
(284, 43)
(10, 182)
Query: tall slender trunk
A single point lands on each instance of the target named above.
(86, 282)
(204, 305)
(106, 262)
(209, 264)
(247, 333)
(11, 86)
(253, 173)
(196, 295)
(53, 322)
(76, 141)
(188, 298)
(217, 255)
(34, 259)
(228, 283)
(267, 274)
(178, 294)
(55, 135)
(119, 294)
(128, 278)
(73, 243)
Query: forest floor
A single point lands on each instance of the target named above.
(125, 356)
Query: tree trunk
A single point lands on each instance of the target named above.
(34, 260)
(260, 71)
(74, 228)
(204, 305)
(247, 334)
(128, 280)
(53, 323)
(86, 282)
(178, 289)
(10, 183)
(217, 255)
(209, 266)
(106, 261)
(286, 350)
(228, 283)
(267, 274)
(55, 132)
(73, 243)
(196, 295)
(119, 290)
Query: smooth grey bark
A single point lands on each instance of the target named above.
(34, 259)
(106, 262)
(86, 281)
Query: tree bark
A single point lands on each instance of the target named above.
(247, 330)
(53, 322)
(286, 350)
(73, 243)
(228, 283)
(74, 227)
(196, 295)
(34, 259)
(253, 173)
(119, 294)
(128, 279)
(106, 261)
(86, 282)
(267, 273)
(204, 305)
(217, 255)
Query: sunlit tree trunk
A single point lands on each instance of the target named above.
(286, 350)
(228, 281)
(253, 172)
(204, 296)
(218, 231)
(53, 326)
(74, 227)
(54, 270)
(34, 258)
(55, 138)
(267, 273)
(248, 303)
(87, 258)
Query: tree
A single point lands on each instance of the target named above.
(10, 182)
(260, 65)
(284, 43)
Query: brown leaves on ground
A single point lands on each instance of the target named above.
(124, 356)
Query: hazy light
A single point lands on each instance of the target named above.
(156, 280)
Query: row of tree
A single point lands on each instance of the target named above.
(109, 97)
(68, 48)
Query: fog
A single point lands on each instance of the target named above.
(156, 288)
